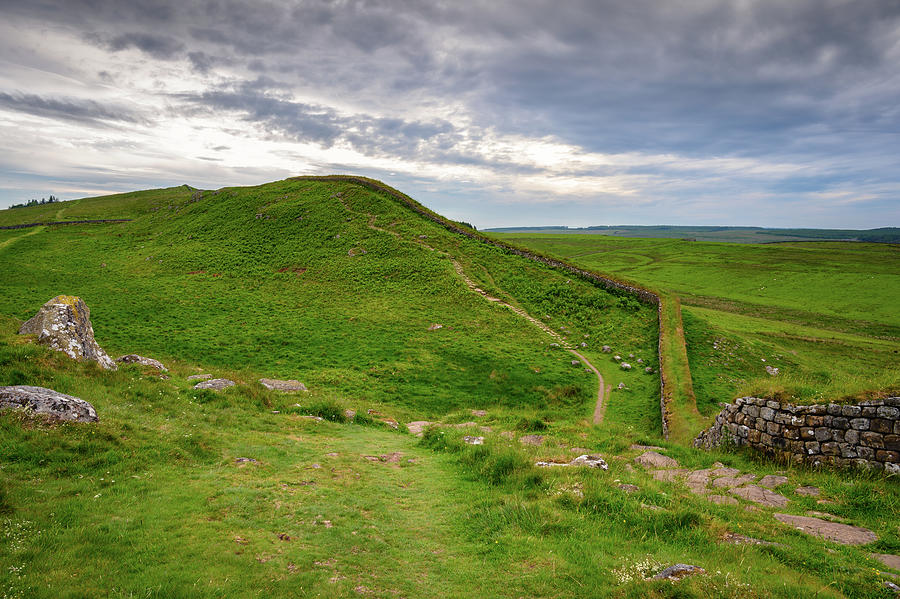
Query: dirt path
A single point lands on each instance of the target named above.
(602, 389)
(12, 240)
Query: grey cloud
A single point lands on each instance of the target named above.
(162, 47)
(71, 109)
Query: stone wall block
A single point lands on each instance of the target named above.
(888, 412)
(851, 436)
(773, 428)
(815, 421)
(812, 447)
(892, 442)
(848, 451)
(840, 422)
(880, 425)
(807, 433)
(860, 424)
(850, 411)
(766, 413)
(823, 434)
(870, 439)
(774, 405)
(834, 409)
(866, 453)
(790, 433)
(753, 436)
(782, 418)
(869, 412)
(751, 410)
(831, 448)
(887, 456)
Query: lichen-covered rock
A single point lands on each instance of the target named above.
(214, 384)
(286, 386)
(64, 324)
(136, 359)
(40, 400)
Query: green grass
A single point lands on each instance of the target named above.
(824, 313)
(252, 282)
(319, 514)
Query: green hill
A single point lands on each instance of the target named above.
(179, 492)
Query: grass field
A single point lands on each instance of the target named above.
(337, 286)
(823, 313)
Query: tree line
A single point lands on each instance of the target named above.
(32, 202)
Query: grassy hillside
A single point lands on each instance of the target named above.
(338, 285)
(823, 313)
(291, 279)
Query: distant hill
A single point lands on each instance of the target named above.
(724, 234)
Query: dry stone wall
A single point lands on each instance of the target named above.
(865, 434)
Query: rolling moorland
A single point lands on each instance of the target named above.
(724, 234)
(341, 286)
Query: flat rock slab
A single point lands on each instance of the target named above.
(891, 561)
(651, 459)
(531, 439)
(727, 482)
(479, 413)
(723, 471)
(770, 481)
(40, 400)
(64, 324)
(590, 461)
(813, 491)
(831, 531)
(669, 475)
(760, 495)
(199, 377)
(286, 386)
(143, 361)
(629, 488)
(215, 384)
(678, 571)
(417, 427)
(722, 500)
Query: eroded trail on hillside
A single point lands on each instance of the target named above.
(602, 389)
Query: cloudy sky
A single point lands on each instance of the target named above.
(583, 112)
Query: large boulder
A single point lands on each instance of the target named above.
(39, 400)
(64, 324)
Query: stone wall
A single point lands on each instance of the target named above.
(865, 434)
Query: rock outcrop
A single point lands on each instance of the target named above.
(64, 324)
(39, 400)
(136, 359)
(215, 384)
(286, 386)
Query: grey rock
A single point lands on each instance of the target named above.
(771, 370)
(64, 324)
(287, 386)
(606, 349)
(761, 496)
(810, 491)
(214, 384)
(771, 481)
(590, 461)
(39, 400)
(136, 359)
(832, 531)
(625, 366)
(417, 427)
(473, 440)
(678, 571)
(651, 459)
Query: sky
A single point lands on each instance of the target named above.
(499, 113)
